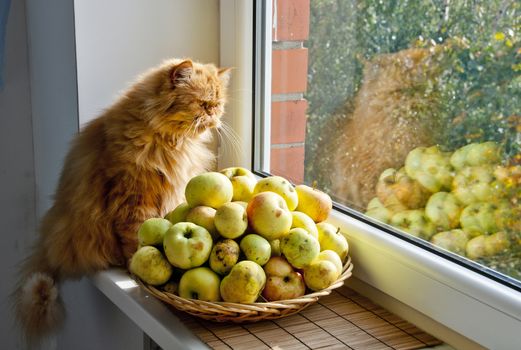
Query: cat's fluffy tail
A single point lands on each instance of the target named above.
(38, 306)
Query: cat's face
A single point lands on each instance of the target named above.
(190, 96)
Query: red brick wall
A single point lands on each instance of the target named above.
(289, 83)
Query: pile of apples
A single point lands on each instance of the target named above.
(463, 201)
(236, 238)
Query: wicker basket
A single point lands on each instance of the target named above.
(237, 312)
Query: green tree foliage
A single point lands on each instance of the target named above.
(479, 84)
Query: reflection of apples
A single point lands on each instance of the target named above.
(187, 245)
(481, 218)
(430, 167)
(268, 215)
(244, 283)
(224, 256)
(282, 282)
(378, 211)
(320, 274)
(256, 248)
(475, 248)
(332, 256)
(476, 184)
(243, 182)
(397, 188)
(178, 214)
(211, 189)
(150, 265)
(152, 231)
(483, 245)
(331, 238)
(453, 240)
(200, 283)
(315, 203)
(203, 216)
(476, 154)
(299, 247)
(281, 186)
(443, 209)
(231, 220)
(414, 222)
(303, 221)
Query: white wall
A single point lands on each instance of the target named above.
(17, 190)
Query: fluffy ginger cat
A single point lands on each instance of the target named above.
(128, 165)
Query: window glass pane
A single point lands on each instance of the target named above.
(409, 112)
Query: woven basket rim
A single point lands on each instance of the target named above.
(222, 311)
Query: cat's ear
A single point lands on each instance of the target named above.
(224, 75)
(181, 72)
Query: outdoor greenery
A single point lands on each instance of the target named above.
(478, 88)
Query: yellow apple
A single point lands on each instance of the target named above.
(187, 245)
(315, 203)
(303, 221)
(244, 283)
(243, 182)
(231, 220)
(281, 186)
(150, 266)
(224, 256)
(268, 215)
(256, 248)
(203, 216)
(200, 283)
(299, 247)
(332, 256)
(331, 238)
(211, 189)
(320, 274)
(282, 282)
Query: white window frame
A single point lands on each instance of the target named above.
(461, 307)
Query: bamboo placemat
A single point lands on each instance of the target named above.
(341, 320)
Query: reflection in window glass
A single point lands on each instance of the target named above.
(409, 112)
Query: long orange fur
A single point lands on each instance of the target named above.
(129, 164)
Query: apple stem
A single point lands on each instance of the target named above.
(314, 184)
(338, 230)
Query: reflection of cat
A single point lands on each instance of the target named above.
(393, 112)
(128, 165)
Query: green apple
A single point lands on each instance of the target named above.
(256, 248)
(203, 216)
(378, 211)
(211, 189)
(299, 247)
(476, 184)
(332, 256)
(282, 282)
(178, 214)
(187, 245)
(281, 186)
(414, 222)
(315, 203)
(397, 188)
(475, 248)
(320, 274)
(458, 159)
(231, 220)
(430, 167)
(150, 266)
(453, 240)
(331, 238)
(224, 256)
(303, 221)
(152, 231)
(244, 283)
(269, 216)
(443, 209)
(200, 283)
(243, 182)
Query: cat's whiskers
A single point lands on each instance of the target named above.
(230, 140)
